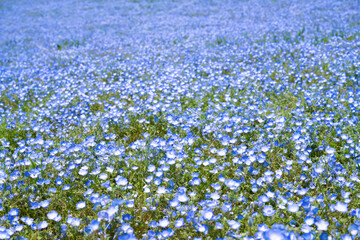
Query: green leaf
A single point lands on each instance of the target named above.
(32, 163)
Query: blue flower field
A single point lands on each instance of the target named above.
(176, 119)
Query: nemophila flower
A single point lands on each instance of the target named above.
(322, 225)
(215, 195)
(161, 190)
(75, 222)
(83, 171)
(151, 234)
(207, 213)
(80, 205)
(309, 221)
(329, 150)
(167, 233)
(270, 194)
(53, 215)
(153, 224)
(233, 224)
(14, 212)
(95, 171)
(171, 154)
(44, 204)
(94, 225)
(182, 197)
(174, 202)
(195, 181)
(179, 223)
(221, 152)
(306, 228)
(19, 227)
(89, 191)
(353, 229)
(232, 184)
(164, 222)
(121, 181)
(112, 210)
(219, 225)
(293, 207)
(127, 228)
(151, 168)
(130, 203)
(127, 217)
(146, 189)
(149, 178)
(106, 185)
(110, 169)
(43, 225)
(263, 199)
(324, 236)
(28, 221)
(226, 207)
(127, 237)
(34, 226)
(274, 234)
(4, 235)
(64, 228)
(346, 237)
(268, 211)
(3, 176)
(341, 207)
(302, 191)
(265, 148)
(263, 227)
(203, 228)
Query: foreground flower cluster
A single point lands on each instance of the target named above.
(204, 120)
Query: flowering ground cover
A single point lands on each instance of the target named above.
(180, 119)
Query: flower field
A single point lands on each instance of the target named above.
(180, 119)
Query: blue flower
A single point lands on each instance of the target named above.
(207, 214)
(274, 234)
(164, 222)
(179, 223)
(322, 225)
(121, 181)
(43, 225)
(52, 215)
(127, 217)
(4, 235)
(268, 211)
(94, 225)
(341, 207)
(167, 233)
(80, 205)
(14, 212)
(293, 207)
(263, 199)
(233, 224)
(203, 228)
(127, 237)
(219, 225)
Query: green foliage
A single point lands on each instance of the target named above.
(67, 43)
